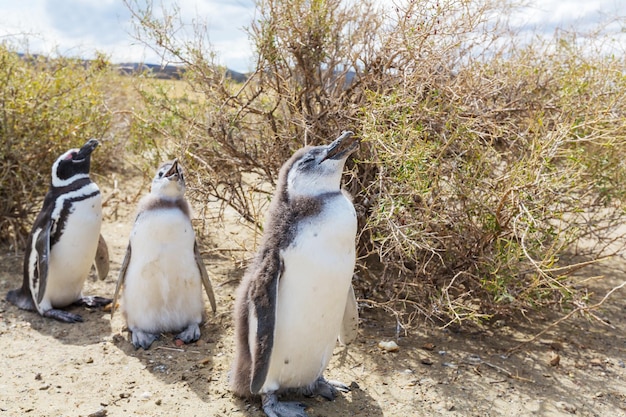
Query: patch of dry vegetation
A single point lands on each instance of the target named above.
(485, 163)
(46, 107)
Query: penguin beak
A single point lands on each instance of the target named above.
(173, 173)
(343, 146)
(86, 150)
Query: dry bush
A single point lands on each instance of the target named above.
(483, 164)
(46, 107)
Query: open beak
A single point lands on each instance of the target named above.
(173, 172)
(343, 146)
(86, 150)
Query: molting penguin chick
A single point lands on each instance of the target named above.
(162, 272)
(64, 241)
(296, 298)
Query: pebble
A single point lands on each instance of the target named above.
(426, 361)
(562, 405)
(388, 346)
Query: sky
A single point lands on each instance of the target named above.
(79, 28)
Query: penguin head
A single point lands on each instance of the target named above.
(73, 164)
(169, 180)
(317, 170)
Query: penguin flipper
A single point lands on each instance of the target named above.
(38, 278)
(265, 289)
(206, 282)
(102, 259)
(121, 278)
(350, 323)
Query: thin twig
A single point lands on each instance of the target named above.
(567, 316)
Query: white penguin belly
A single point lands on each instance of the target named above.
(312, 294)
(72, 256)
(162, 290)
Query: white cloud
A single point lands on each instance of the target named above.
(80, 27)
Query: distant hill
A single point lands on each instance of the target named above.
(170, 72)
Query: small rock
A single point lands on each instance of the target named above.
(99, 413)
(556, 346)
(474, 359)
(388, 346)
(566, 407)
(426, 361)
(353, 385)
(158, 402)
(179, 343)
(145, 395)
(38, 377)
(449, 365)
(89, 360)
(428, 346)
(124, 395)
(595, 362)
(442, 352)
(555, 360)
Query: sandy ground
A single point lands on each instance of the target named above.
(49, 368)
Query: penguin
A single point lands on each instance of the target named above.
(64, 242)
(162, 271)
(296, 298)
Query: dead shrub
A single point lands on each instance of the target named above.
(483, 163)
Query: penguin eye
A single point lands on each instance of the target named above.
(160, 174)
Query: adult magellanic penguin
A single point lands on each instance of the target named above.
(296, 298)
(64, 241)
(162, 272)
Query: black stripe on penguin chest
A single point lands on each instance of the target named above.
(67, 209)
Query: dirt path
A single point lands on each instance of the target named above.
(90, 369)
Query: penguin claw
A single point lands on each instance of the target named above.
(326, 389)
(338, 385)
(64, 316)
(143, 339)
(274, 408)
(93, 301)
(190, 334)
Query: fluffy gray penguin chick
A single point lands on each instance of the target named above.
(296, 297)
(162, 271)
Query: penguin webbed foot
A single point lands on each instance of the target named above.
(64, 316)
(274, 408)
(327, 389)
(93, 301)
(21, 300)
(190, 334)
(143, 340)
